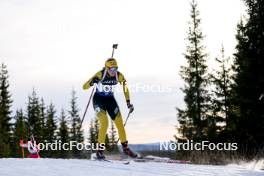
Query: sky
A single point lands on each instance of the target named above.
(54, 46)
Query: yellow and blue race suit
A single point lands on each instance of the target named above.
(104, 102)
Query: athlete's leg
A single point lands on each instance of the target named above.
(99, 107)
(120, 127)
(122, 136)
(103, 121)
(114, 113)
(102, 117)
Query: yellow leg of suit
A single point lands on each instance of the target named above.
(102, 117)
(120, 128)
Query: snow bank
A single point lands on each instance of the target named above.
(253, 165)
(74, 167)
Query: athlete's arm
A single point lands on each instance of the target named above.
(95, 79)
(122, 81)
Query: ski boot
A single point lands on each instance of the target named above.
(127, 150)
(100, 152)
(100, 155)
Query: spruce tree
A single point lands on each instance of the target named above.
(76, 133)
(5, 113)
(92, 138)
(51, 124)
(112, 138)
(220, 119)
(34, 117)
(50, 129)
(43, 120)
(107, 143)
(193, 119)
(249, 78)
(63, 134)
(20, 133)
(96, 129)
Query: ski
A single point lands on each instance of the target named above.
(94, 158)
(113, 161)
(120, 162)
(156, 159)
(145, 159)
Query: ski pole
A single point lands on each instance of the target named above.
(127, 117)
(22, 148)
(23, 153)
(113, 51)
(87, 105)
(125, 123)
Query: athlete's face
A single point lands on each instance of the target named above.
(112, 71)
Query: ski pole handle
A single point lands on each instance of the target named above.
(113, 51)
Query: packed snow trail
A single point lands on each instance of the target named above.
(75, 167)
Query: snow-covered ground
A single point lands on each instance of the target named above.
(74, 167)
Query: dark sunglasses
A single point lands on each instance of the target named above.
(113, 69)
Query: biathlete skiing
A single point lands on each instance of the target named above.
(104, 102)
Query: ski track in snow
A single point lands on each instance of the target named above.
(75, 167)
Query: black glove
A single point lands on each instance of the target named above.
(130, 106)
(95, 81)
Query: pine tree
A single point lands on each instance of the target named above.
(193, 119)
(107, 143)
(51, 124)
(5, 113)
(20, 133)
(76, 132)
(63, 134)
(112, 138)
(96, 129)
(92, 138)
(43, 119)
(249, 78)
(34, 117)
(50, 129)
(219, 120)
